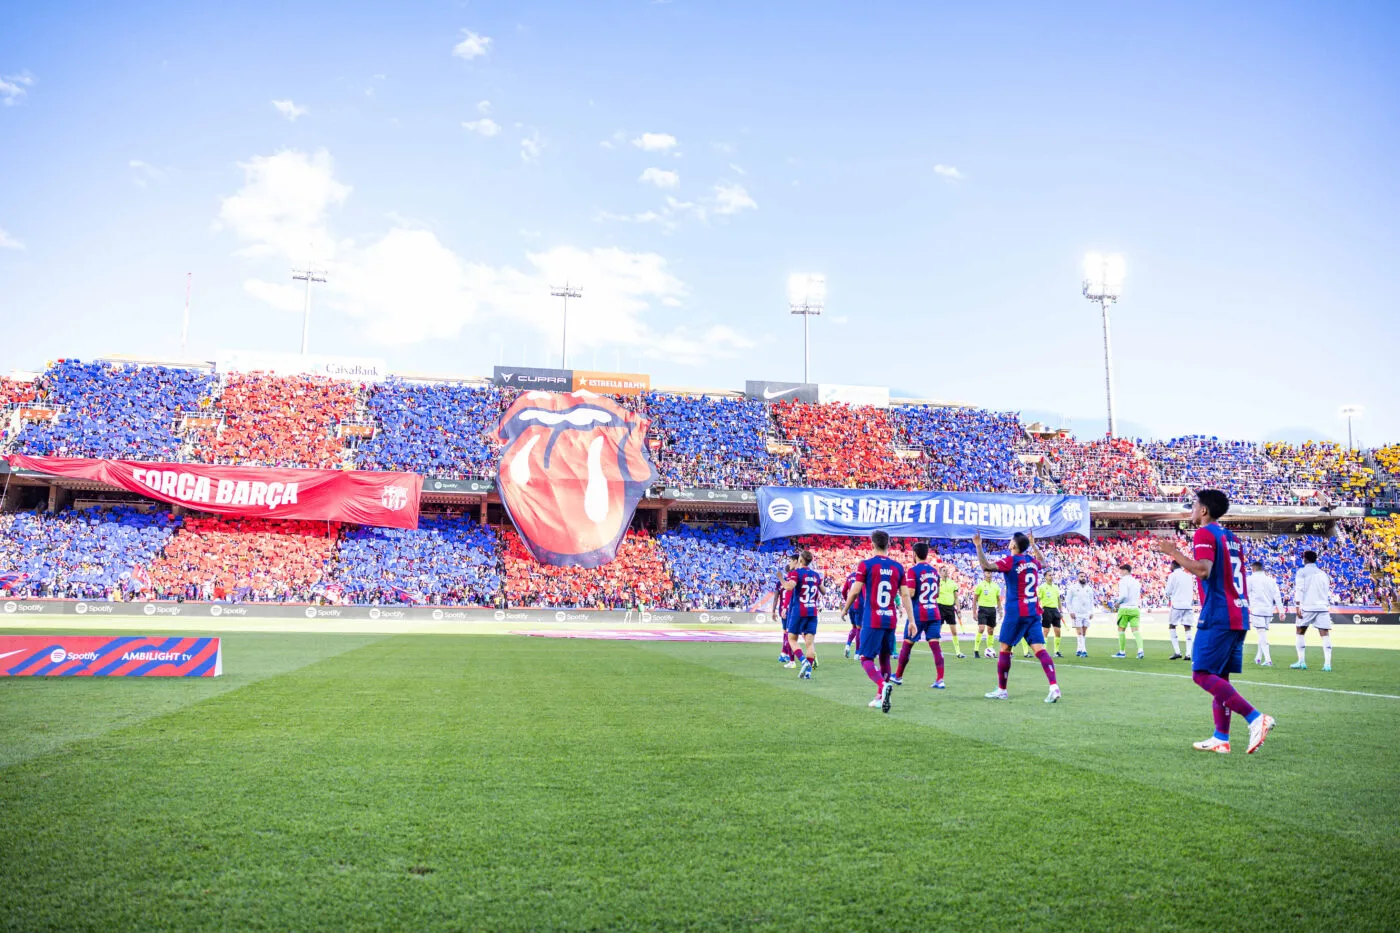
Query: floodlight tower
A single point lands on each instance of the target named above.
(566, 291)
(806, 296)
(307, 275)
(1103, 282)
(1349, 412)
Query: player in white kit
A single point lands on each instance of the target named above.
(1079, 606)
(1312, 594)
(1182, 608)
(1264, 601)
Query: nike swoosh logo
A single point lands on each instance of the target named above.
(8, 653)
(769, 394)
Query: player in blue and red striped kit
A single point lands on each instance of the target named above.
(1217, 561)
(856, 615)
(920, 595)
(880, 578)
(782, 602)
(804, 586)
(1021, 570)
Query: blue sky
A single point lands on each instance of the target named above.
(945, 166)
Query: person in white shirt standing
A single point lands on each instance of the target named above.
(1312, 594)
(1264, 601)
(1079, 604)
(1181, 604)
(1129, 606)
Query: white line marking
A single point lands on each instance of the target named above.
(1249, 683)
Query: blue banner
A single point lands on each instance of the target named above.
(785, 510)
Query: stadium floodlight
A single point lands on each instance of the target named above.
(307, 275)
(565, 291)
(1103, 282)
(806, 296)
(1349, 412)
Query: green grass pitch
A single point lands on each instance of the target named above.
(508, 783)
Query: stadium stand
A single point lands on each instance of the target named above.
(112, 410)
(1347, 558)
(968, 449)
(721, 566)
(1326, 465)
(715, 442)
(1237, 468)
(1100, 559)
(437, 429)
(637, 579)
(1112, 468)
(1383, 537)
(447, 559)
(245, 559)
(279, 421)
(15, 392)
(845, 446)
(81, 553)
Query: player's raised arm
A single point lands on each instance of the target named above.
(1197, 568)
(1035, 548)
(982, 558)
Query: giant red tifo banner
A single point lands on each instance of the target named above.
(110, 656)
(389, 500)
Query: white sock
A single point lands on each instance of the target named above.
(1264, 645)
(1081, 643)
(1326, 649)
(1189, 640)
(1176, 645)
(1302, 649)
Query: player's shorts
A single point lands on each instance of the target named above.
(949, 614)
(1218, 651)
(1082, 621)
(801, 625)
(1014, 629)
(1183, 617)
(1129, 618)
(1321, 619)
(1050, 618)
(875, 642)
(932, 630)
(987, 615)
(1260, 620)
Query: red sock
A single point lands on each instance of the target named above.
(851, 635)
(937, 657)
(1003, 667)
(1048, 663)
(903, 657)
(885, 663)
(873, 674)
(798, 655)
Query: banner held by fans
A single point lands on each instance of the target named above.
(573, 468)
(784, 511)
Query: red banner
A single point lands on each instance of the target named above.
(110, 656)
(389, 500)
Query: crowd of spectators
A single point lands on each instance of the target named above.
(1347, 558)
(1340, 473)
(969, 448)
(254, 559)
(15, 392)
(88, 553)
(1238, 468)
(1383, 536)
(1101, 557)
(113, 410)
(279, 421)
(845, 446)
(446, 559)
(1112, 468)
(437, 429)
(716, 442)
(721, 566)
(637, 579)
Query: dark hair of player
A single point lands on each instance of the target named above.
(806, 558)
(1175, 565)
(1022, 543)
(881, 540)
(1309, 557)
(1257, 564)
(1126, 566)
(921, 550)
(1215, 501)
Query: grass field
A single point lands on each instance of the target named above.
(500, 783)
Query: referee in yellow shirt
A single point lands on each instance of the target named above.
(987, 595)
(1049, 595)
(948, 605)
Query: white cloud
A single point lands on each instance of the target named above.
(531, 147)
(732, 198)
(143, 173)
(9, 242)
(655, 142)
(471, 46)
(13, 87)
(641, 217)
(736, 169)
(483, 107)
(949, 172)
(484, 127)
(660, 178)
(406, 286)
(290, 110)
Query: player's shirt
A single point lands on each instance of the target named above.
(987, 594)
(947, 591)
(880, 580)
(1049, 595)
(1079, 599)
(922, 582)
(1312, 590)
(1224, 592)
(1129, 593)
(1022, 575)
(785, 598)
(806, 591)
(1264, 598)
(857, 613)
(1181, 589)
